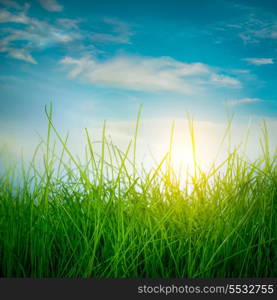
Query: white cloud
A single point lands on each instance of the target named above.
(68, 23)
(22, 54)
(33, 34)
(146, 74)
(253, 25)
(51, 5)
(225, 80)
(11, 3)
(120, 32)
(239, 71)
(256, 29)
(247, 38)
(243, 101)
(7, 17)
(259, 61)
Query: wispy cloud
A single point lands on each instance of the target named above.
(68, 23)
(8, 17)
(33, 34)
(25, 34)
(146, 74)
(11, 3)
(120, 32)
(51, 5)
(242, 101)
(22, 54)
(225, 80)
(251, 24)
(259, 61)
(254, 29)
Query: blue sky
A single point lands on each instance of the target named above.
(97, 60)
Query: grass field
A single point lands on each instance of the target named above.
(109, 217)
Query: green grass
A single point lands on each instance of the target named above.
(109, 218)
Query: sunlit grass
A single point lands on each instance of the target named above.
(109, 217)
